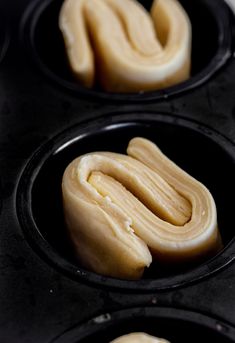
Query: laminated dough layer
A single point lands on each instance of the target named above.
(126, 49)
(122, 211)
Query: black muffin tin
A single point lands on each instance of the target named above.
(46, 119)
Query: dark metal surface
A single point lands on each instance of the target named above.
(39, 299)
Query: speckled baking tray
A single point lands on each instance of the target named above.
(47, 119)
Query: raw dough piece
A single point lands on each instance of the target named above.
(123, 210)
(118, 43)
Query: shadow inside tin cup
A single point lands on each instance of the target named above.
(203, 153)
(175, 325)
(211, 46)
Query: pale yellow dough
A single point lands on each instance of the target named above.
(139, 337)
(123, 210)
(126, 49)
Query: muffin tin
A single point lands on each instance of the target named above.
(46, 120)
(42, 179)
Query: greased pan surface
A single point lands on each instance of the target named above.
(45, 120)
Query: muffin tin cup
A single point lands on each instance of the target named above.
(212, 46)
(201, 151)
(178, 326)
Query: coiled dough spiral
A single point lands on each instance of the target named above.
(118, 43)
(123, 210)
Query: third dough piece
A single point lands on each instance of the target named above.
(139, 337)
(123, 210)
(126, 49)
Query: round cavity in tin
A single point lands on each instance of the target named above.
(175, 325)
(211, 46)
(203, 153)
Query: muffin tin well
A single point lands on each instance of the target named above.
(211, 46)
(175, 325)
(194, 147)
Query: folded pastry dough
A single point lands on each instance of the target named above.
(139, 337)
(118, 43)
(123, 210)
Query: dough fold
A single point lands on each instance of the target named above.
(123, 210)
(119, 44)
(139, 337)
